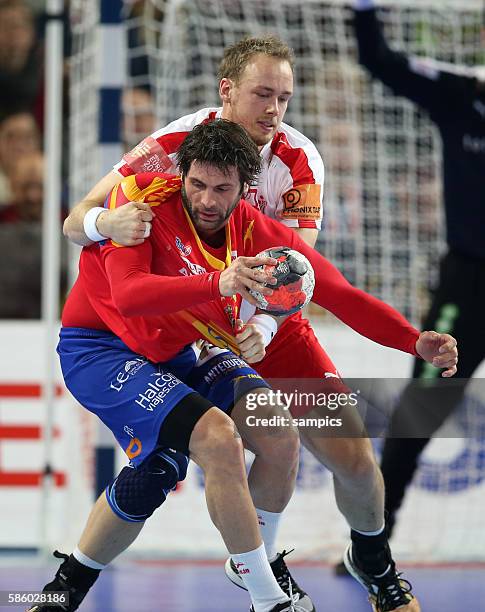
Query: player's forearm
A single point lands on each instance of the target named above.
(144, 294)
(309, 235)
(373, 50)
(362, 312)
(369, 316)
(73, 226)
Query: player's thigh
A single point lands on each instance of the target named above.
(223, 377)
(266, 425)
(131, 395)
(236, 388)
(348, 458)
(300, 363)
(215, 443)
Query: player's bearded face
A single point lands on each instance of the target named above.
(258, 101)
(210, 196)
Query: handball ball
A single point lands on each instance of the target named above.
(295, 282)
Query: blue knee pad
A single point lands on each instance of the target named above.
(137, 492)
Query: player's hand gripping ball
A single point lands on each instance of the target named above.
(295, 282)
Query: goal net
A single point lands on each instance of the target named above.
(83, 98)
(383, 212)
(382, 195)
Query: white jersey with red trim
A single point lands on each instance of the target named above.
(290, 185)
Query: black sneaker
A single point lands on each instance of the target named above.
(282, 607)
(387, 593)
(60, 583)
(301, 601)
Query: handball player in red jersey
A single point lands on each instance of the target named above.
(256, 84)
(148, 302)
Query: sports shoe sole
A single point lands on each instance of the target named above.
(412, 606)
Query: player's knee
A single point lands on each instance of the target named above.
(357, 463)
(272, 434)
(226, 446)
(281, 448)
(137, 492)
(218, 443)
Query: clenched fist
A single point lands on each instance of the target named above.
(438, 349)
(128, 225)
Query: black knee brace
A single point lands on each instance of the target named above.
(137, 492)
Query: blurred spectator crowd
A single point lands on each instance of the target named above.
(22, 33)
(21, 158)
(327, 113)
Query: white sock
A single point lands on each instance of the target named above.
(268, 524)
(254, 569)
(85, 560)
(371, 533)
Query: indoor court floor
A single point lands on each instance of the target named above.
(185, 586)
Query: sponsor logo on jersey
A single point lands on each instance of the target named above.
(255, 199)
(185, 249)
(156, 391)
(302, 202)
(222, 367)
(129, 431)
(193, 267)
(217, 336)
(141, 150)
(212, 332)
(148, 156)
(130, 368)
(134, 448)
(248, 235)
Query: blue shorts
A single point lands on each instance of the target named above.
(133, 396)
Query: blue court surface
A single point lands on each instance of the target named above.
(185, 586)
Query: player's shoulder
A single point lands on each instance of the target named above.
(254, 229)
(247, 213)
(294, 149)
(298, 154)
(153, 188)
(289, 140)
(184, 125)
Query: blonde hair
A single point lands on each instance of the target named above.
(237, 56)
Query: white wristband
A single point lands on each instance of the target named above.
(266, 325)
(363, 5)
(89, 224)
